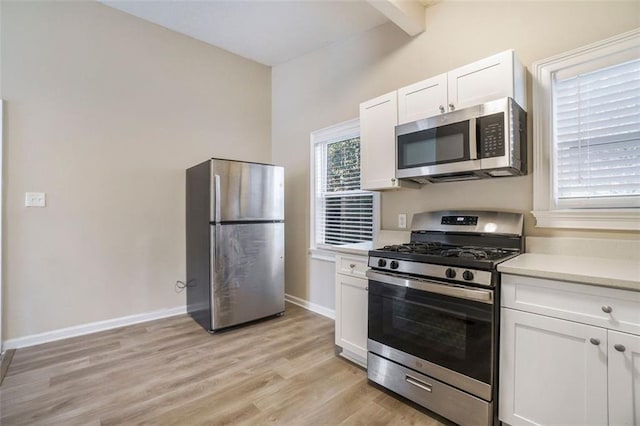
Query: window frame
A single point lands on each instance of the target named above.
(341, 131)
(544, 209)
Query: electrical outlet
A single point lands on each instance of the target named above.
(34, 199)
(402, 221)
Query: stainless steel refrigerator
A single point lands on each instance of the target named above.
(235, 242)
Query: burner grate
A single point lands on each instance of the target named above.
(414, 247)
(469, 252)
(445, 250)
(477, 252)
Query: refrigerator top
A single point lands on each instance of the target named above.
(247, 162)
(243, 191)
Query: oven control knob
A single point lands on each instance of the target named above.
(394, 264)
(467, 275)
(450, 273)
(382, 263)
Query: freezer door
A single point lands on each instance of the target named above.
(246, 191)
(248, 272)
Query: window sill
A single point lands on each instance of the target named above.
(603, 219)
(326, 255)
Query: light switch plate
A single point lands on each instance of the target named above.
(402, 221)
(34, 199)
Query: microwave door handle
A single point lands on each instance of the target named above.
(473, 147)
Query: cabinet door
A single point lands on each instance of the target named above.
(551, 371)
(378, 118)
(482, 81)
(624, 379)
(351, 315)
(424, 99)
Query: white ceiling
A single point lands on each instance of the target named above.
(267, 31)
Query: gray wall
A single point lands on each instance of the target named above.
(326, 87)
(104, 112)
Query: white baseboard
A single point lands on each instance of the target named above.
(354, 358)
(313, 307)
(79, 330)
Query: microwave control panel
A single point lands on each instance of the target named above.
(491, 135)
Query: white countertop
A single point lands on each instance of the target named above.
(385, 237)
(616, 273)
(361, 249)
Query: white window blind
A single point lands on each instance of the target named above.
(343, 212)
(597, 137)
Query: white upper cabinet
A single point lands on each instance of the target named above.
(378, 119)
(495, 77)
(423, 99)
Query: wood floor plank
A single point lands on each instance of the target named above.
(5, 360)
(343, 404)
(20, 366)
(171, 371)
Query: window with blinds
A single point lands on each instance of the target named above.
(343, 212)
(597, 137)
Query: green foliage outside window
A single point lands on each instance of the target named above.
(343, 165)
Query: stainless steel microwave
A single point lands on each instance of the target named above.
(487, 140)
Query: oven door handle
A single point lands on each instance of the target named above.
(483, 296)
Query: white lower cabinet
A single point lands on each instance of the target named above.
(551, 372)
(351, 312)
(624, 378)
(556, 371)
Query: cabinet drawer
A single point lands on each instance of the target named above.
(352, 265)
(600, 306)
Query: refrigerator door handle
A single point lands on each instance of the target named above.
(216, 218)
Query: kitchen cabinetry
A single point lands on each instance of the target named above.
(568, 353)
(491, 78)
(423, 99)
(552, 373)
(624, 378)
(378, 118)
(351, 307)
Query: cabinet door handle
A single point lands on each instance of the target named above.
(619, 347)
(441, 108)
(452, 107)
(594, 341)
(353, 265)
(607, 309)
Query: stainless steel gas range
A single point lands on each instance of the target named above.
(433, 317)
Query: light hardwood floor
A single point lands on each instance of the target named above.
(170, 371)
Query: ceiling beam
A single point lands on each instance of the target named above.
(407, 14)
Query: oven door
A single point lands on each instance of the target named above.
(444, 331)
